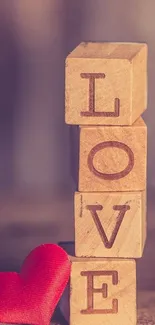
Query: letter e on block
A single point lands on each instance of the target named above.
(103, 291)
(106, 83)
(113, 158)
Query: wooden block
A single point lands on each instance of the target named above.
(106, 83)
(103, 291)
(144, 299)
(113, 158)
(110, 224)
(74, 150)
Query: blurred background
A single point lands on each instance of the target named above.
(36, 187)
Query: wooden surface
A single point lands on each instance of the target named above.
(110, 224)
(113, 158)
(146, 307)
(106, 83)
(115, 301)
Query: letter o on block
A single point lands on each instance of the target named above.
(113, 158)
(112, 144)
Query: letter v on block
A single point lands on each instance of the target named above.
(110, 224)
(122, 210)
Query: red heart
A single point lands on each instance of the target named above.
(31, 296)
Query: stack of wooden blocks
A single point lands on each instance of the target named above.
(106, 92)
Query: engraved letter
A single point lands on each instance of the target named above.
(104, 291)
(91, 108)
(122, 210)
(112, 144)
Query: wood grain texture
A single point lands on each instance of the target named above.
(145, 312)
(110, 224)
(113, 158)
(145, 299)
(103, 291)
(106, 83)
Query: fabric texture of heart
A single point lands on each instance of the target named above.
(31, 296)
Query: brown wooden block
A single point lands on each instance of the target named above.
(145, 299)
(113, 158)
(106, 83)
(110, 224)
(102, 291)
(74, 152)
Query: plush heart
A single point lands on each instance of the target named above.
(31, 296)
